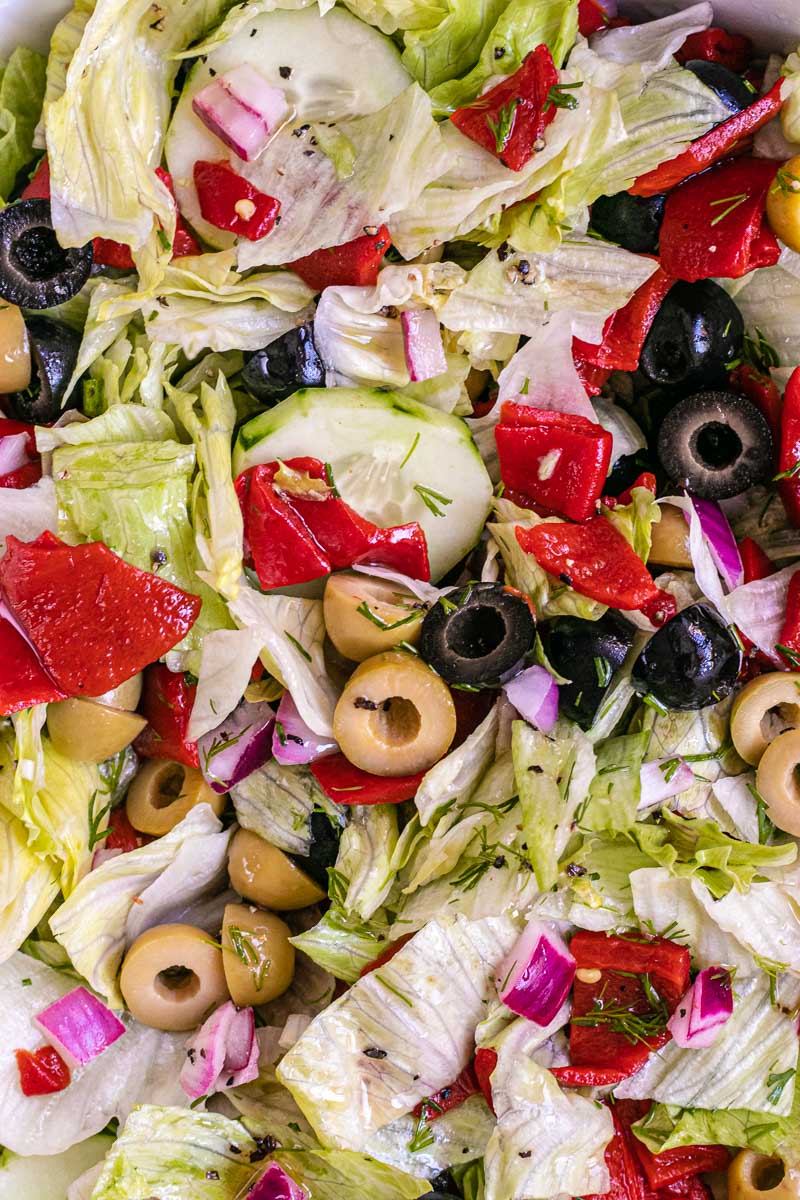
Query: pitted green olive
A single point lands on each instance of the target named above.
(754, 1176)
(766, 707)
(670, 546)
(777, 781)
(365, 615)
(127, 695)
(262, 873)
(163, 793)
(90, 732)
(257, 955)
(172, 977)
(395, 716)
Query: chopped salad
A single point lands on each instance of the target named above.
(399, 604)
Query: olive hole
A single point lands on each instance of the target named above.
(475, 631)
(767, 1174)
(170, 788)
(717, 445)
(38, 254)
(398, 721)
(177, 983)
(778, 719)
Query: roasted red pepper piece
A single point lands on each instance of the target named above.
(588, 1076)
(645, 480)
(591, 17)
(510, 119)
(387, 955)
(42, 1072)
(789, 460)
(756, 563)
(229, 201)
(353, 263)
(22, 478)
(720, 142)
(183, 243)
(346, 784)
(621, 961)
(167, 702)
(623, 1168)
(593, 378)
(122, 836)
(790, 634)
(716, 45)
(674, 1166)
(277, 542)
(25, 460)
(23, 680)
(560, 460)
(625, 330)
(765, 394)
(715, 224)
(450, 1097)
(38, 188)
(484, 1065)
(596, 561)
(93, 618)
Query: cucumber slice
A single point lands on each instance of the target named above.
(387, 452)
(339, 66)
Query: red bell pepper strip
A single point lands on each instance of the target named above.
(588, 1076)
(645, 480)
(484, 1065)
(167, 702)
(229, 201)
(450, 1097)
(715, 224)
(93, 619)
(789, 460)
(387, 955)
(674, 1166)
(790, 634)
(626, 1182)
(346, 784)
(591, 18)
(716, 45)
(720, 142)
(760, 389)
(23, 680)
(291, 538)
(353, 263)
(593, 378)
(123, 836)
(630, 970)
(625, 330)
(510, 119)
(560, 460)
(596, 561)
(41, 1072)
(756, 563)
(38, 187)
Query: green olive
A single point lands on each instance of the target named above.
(777, 781)
(262, 873)
(765, 707)
(163, 793)
(670, 547)
(395, 716)
(172, 976)
(127, 695)
(754, 1176)
(15, 351)
(388, 614)
(257, 955)
(90, 732)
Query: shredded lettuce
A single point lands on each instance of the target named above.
(365, 851)
(450, 47)
(663, 902)
(276, 803)
(616, 788)
(50, 1177)
(454, 778)
(344, 944)
(667, 1126)
(27, 512)
(22, 87)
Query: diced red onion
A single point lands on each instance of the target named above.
(237, 747)
(293, 741)
(535, 978)
(534, 694)
(242, 110)
(275, 1184)
(721, 542)
(222, 1053)
(422, 340)
(13, 452)
(661, 780)
(704, 1009)
(80, 1027)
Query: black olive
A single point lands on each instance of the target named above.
(716, 444)
(323, 851)
(442, 1185)
(693, 661)
(35, 271)
(289, 363)
(730, 87)
(697, 332)
(587, 653)
(625, 471)
(54, 355)
(483, 640)
(633, 222)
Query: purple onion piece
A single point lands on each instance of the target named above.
(237, 747)
(534, 694)
(658, 784)
(293, 742)
(721, 542)
(535, 978)
(275, 1184)
(79, 1026)
(703, 1010)
(242, 110)
(422, 339)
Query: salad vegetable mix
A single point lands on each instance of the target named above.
(399, 604)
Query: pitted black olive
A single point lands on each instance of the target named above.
(716, 444)
(626, 470)
(289, 363)
(54, 355)
(633, 222)
(483, 640)
(691, 662)
(324, 849)
(697, 332)
(730, 87)
(35, 270)
(587, 653)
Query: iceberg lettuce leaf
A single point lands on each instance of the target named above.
(343, 944)
(22, 88)
(365, 851)
(667, 1126)
(276, 803)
